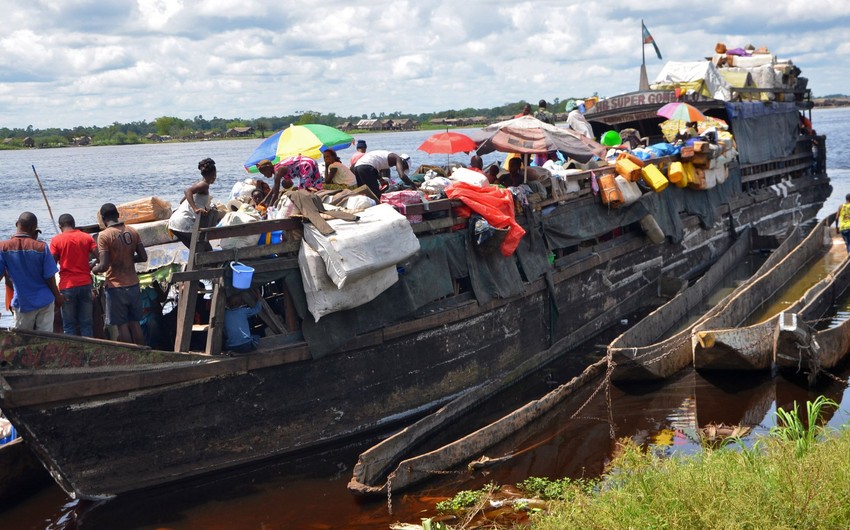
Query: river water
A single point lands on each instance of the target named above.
(311, 492)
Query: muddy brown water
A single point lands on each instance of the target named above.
(310, 492)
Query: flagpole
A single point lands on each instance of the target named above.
(644, 79)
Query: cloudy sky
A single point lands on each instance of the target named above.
(93, 62)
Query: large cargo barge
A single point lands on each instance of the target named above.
(106, 419)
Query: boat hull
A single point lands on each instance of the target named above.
(103, 432)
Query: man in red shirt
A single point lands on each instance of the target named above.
(72, 249)
(120, 248)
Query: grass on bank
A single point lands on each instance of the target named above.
(797, 477)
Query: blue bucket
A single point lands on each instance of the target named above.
(242, 275)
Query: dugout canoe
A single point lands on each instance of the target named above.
(722, 341)
(816, 338)
(643, 353)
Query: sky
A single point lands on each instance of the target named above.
(65, 63)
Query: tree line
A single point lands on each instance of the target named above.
(186, 129)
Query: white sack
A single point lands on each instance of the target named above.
(473, 178)
(237, 218)
(323, 297)
(382, 237)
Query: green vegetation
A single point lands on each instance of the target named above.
(796, 477)
(197, 128)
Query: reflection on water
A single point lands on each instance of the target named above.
(577, 440)
(815, 271)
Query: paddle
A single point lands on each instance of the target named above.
(49, 211)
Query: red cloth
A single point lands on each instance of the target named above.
(494, 204)
(71, 250)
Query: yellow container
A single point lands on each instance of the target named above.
(654, 178)
(676, 172)
(688, 176)
(628, 169)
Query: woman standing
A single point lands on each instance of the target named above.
(196, 201)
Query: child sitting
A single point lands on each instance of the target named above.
(240, 307)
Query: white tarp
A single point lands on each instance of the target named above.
(700, 76)
(380, 238)
(322, 294)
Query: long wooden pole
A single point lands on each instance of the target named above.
(49, 210)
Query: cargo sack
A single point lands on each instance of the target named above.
(141, 211)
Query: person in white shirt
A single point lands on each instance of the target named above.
(368, 169)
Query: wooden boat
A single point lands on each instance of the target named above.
(722, 341)
(21, 473)
(643, 353)
(807, 340)
(458, 319)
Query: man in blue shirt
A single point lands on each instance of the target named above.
(30, 269)
(240, 307)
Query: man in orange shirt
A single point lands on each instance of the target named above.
(72, 249)
(120, 248)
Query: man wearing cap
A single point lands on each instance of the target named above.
(368, 169)
(72, 249)
(120, 248)
(30, 270)
(361, 150)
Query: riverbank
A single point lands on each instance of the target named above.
(795, 477)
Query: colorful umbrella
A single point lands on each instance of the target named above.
(447, 143)
(681, 111)
(670, 128)
(527, 134)
(308, 140)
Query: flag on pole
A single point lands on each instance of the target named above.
(647, 39)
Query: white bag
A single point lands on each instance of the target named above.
(473, 178)
(322, 294)
(380, 238)
(242, 190)
(237, 218)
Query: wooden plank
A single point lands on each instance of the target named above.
(266, 265)
(270, 318)
(215, 333)
(437, 224)
(247, 229)
(432, 206)
(239, 254)
(776, 172)
(188, 297)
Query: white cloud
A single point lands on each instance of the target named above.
(98, 61)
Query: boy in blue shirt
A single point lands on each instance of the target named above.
(241, 307)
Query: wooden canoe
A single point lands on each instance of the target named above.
(801, 342)
(641, 352)
(722, 341)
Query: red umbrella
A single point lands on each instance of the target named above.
(448, 143)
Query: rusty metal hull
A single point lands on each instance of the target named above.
(799, 347)
(720, 342)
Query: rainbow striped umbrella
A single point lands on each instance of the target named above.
(309, 140)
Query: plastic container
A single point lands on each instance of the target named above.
(242, 275)
(631, 156)
(609, 192)
(687, 153)
(654, 178)
(630, 190)
(628, 169)
(698, 181)
(651, 228)
(689, 175)
(676, 172)
(611, 138)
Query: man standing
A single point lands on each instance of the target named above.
(72, 249)
(543, 113)
(120, 248)
(361, 150)
(30, 267)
